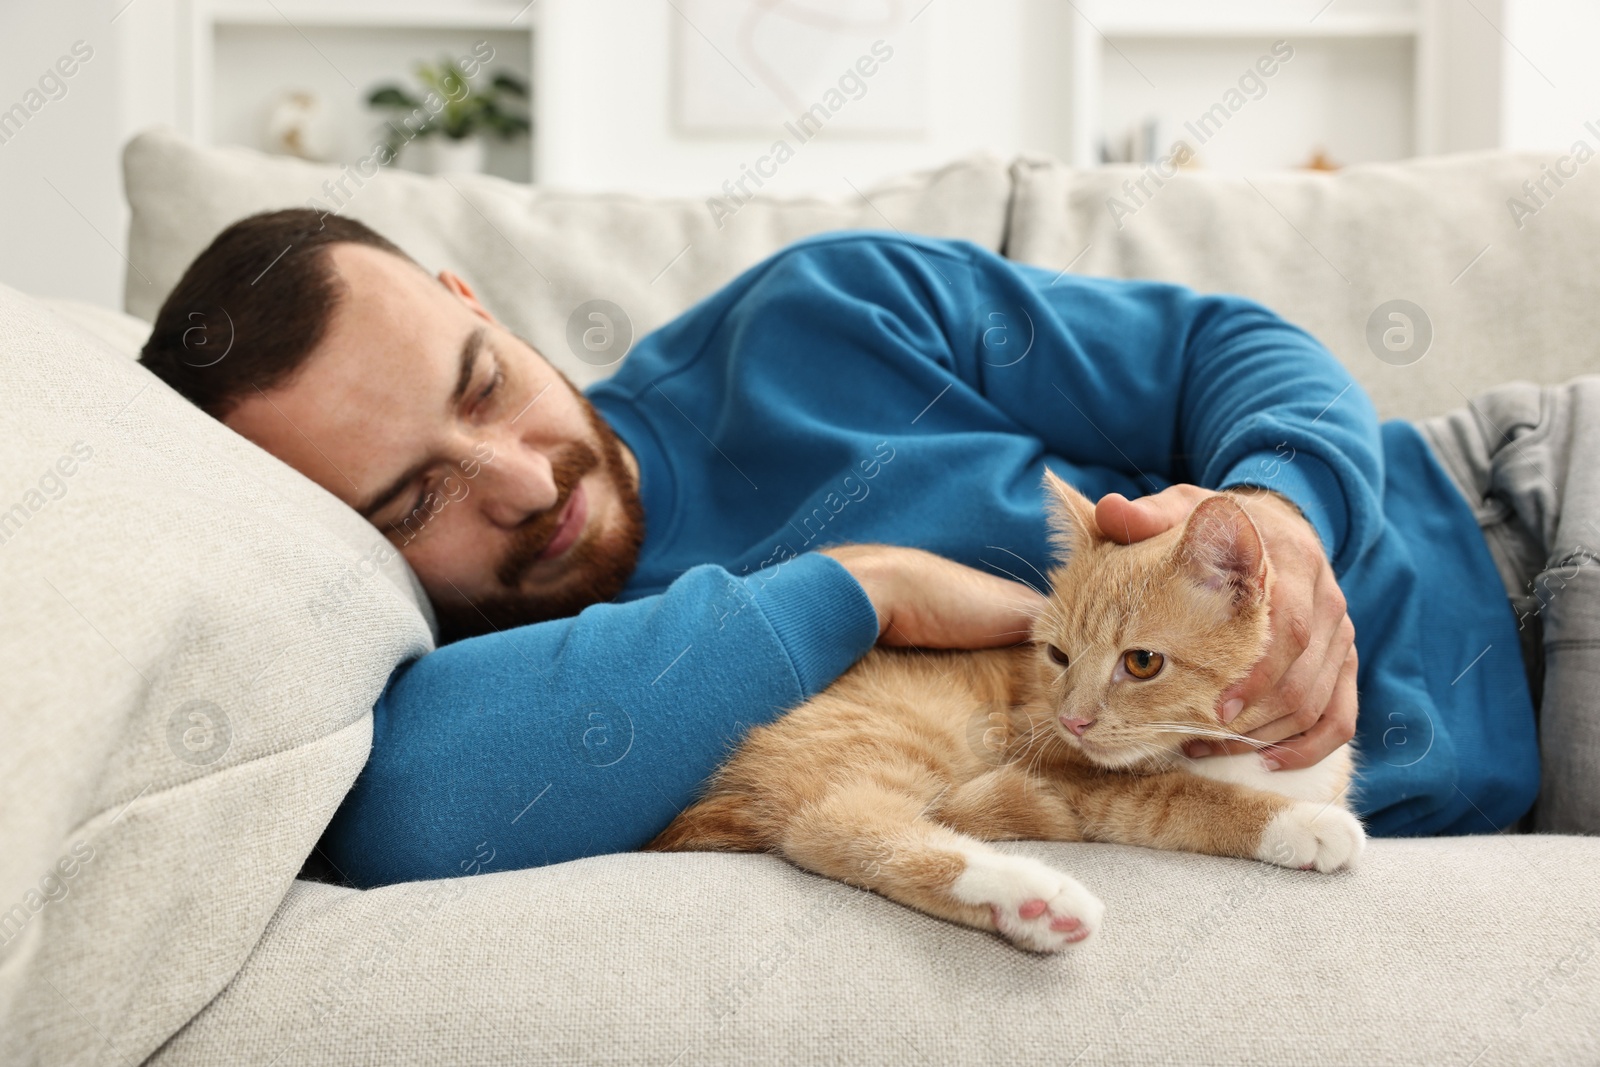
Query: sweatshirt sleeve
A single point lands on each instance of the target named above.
(587, 735)
(1215, 390)
(1146, 378)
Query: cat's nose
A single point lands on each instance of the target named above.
(1077, 726)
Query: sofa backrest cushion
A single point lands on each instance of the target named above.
(192, 639)
(123, 332)
(536, 256)
(1499, 283)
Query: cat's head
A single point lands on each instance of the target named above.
(1138, 641)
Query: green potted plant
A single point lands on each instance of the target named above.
(451, 119)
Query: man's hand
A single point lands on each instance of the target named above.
(931, 602)
(1302, 693)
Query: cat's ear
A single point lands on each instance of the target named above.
(1222, 550)
(1071, 517)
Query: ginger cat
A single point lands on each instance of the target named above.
(893, 777)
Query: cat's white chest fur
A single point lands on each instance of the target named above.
(1322, 782)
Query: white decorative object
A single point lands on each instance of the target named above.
(301, 125)
(439, 154)
(751, 66)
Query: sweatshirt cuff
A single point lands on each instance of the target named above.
(822, 616)
(1307, 482)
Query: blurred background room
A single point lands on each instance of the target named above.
(693, 97)
(200, 630)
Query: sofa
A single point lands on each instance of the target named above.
(195, 635)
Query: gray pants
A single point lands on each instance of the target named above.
(1527, 459)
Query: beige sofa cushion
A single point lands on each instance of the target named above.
(1326, 251)
(1451, 951)
(534, 255)
(192, 638)
(123, 332)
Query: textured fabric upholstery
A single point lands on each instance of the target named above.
(534, 255)
(193, 636)
(1327, 250)
(1471, 950)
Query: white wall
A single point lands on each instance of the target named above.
(1552, 81)
(1462, 71)
(71, 243)
(997, 74)
(601, 89)
(605, 75)
(66, 240)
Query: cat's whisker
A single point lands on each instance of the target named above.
(1013, 577)
(1024, 743)
(1032, 752)
(1157, 754)
(1144, 750)
(1051, 611)
(1190, 728)
(1197, 731)
(1044, 749)
(1036, 752)
(1035, 570)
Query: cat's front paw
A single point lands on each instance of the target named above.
(1311, 836)
(1033, 905)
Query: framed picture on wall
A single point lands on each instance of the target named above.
(814, 66)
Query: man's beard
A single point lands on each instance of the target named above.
(597, 565)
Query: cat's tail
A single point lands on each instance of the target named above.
(719, 823)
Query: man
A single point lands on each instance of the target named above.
(839, 448)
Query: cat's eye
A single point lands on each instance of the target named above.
(1142, 663)
(1058, 655)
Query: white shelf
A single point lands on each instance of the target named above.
(356, 26)
(1232, 18)
(1381, 51)
(462, 16)
(1329, 25)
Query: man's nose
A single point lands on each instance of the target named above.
(516, 485)
(1077, 726)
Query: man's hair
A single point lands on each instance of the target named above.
(252, 306)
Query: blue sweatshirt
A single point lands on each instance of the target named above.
(860, 386)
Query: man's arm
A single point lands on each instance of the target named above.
(1213, 390)
(1254, 406)
(1301, 694)
(1153, 386)
(587, 735)
(1139, 381)
(1250, 404)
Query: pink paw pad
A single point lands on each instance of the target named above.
(1070, 926)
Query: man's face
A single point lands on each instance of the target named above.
(503, 488)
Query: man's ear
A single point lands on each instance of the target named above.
(457, 285)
